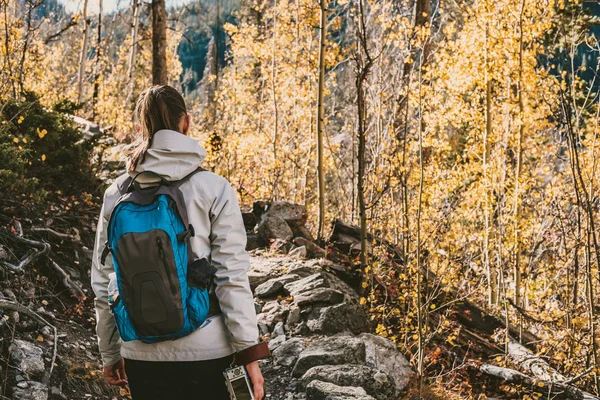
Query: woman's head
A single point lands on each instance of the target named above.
(158, 107)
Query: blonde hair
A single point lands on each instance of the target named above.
(158, 107)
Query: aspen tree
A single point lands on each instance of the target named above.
(83, 54)
(321, 117)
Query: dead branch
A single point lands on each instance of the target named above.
(18, 307)
(70, 24)
(40, 248)
(75, 237)
(74, 288)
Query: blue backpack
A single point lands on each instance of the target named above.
(162, 292)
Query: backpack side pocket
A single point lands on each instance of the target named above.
(123, 322)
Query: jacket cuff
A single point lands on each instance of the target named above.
(251, 354)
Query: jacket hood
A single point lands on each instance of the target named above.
(172, 155)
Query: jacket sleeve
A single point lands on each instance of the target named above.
(109, 342)
(228, 254)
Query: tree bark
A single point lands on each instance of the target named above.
(321, 120)
(159, 43)
(98, 55)
(83, 54)
(133, 51)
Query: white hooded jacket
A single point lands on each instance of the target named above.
(214, 212)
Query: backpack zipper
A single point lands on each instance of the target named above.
(163, 257)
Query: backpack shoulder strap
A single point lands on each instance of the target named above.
(123, 183)
(187, 177)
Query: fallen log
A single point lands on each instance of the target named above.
(563, 390)
(67, 282)
(539, 367)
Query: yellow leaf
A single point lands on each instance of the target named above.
(45, 302)
(21, 119)
(40, 338)
(24, 140)
(363, 301)
(41, 133)
(43, 157)
(433, 306)
(16, 140)
(364, 285)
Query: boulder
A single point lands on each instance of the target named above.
(319, 390)
(287, 353)
(376, 383)
(27, 358)
(273, 227)
(312, 249)
(275, 285)
(338, 318)
(276, 342)
(30, 390)
(299, 253)
(331, 351)
(254, 242)
(321, 280)
(319, 295)
(250, 219)
(278, 330)
(382, 354)
(293, 214)
(263, 269)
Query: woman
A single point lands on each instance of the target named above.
(192, 366)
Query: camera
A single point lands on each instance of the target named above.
(238, 384)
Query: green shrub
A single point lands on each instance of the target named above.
(42, 151)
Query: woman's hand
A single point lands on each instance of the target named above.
(257, 379)
(115, 374)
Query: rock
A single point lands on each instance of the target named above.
(260, 207)
(305, 269)
(57, 394)
(376, 383)
(382, 354)
(250, 219)
(319, 390)
(331, 351)
(299, 252)
(278, 330)
(261, 269)
(254, 241)
(321, 280)
(3, 253)
(319, 295)
(338, 318)
(27, 357)
(273, 312)
(32, 391)
(275, 285)
(276, 342)
(294, 317)
(269, 288)
(293, 214)
(313, 250)
(272, 227)
(287, 353)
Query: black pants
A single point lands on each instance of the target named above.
(186, 380)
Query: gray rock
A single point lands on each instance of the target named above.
(254, 241)
(269, 288)
(299, 252)
(273, 312)
(321, 280)
(294, 317)
(274, 285)
(278, 330)
(273, 227)
(376, 383)
(331, 351)
(27, 357)
(293, 214)
(57, 394)
(276, 342)
(33, 391)
(287, 353)
(263, 269)
(313, 250)
(3, 253)
(338, 318)
(382, 354)
(319, 295)
(319, 390)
